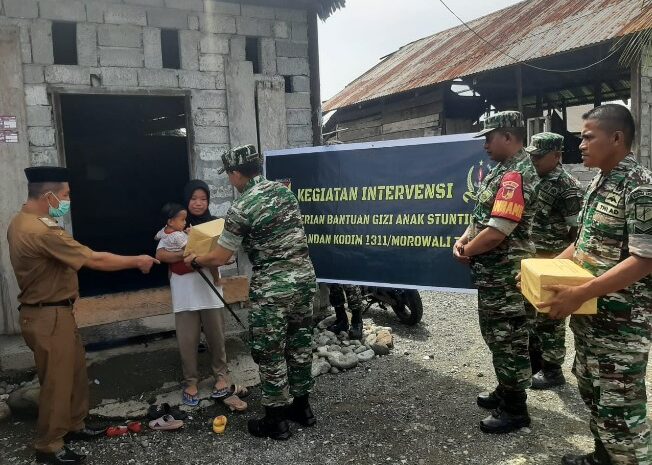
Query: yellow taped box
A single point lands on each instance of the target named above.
(203, 237)
(539, 272)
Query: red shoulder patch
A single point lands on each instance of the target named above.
(510, 203)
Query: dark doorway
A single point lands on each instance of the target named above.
(128, 155)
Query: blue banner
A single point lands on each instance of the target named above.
(385, 213)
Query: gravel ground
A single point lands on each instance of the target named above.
(415, 406)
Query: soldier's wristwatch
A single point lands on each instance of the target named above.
(194, 264)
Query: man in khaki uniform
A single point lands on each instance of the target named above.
(45, 259)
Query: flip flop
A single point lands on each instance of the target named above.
(115, 431)
(234, 403)
(220, 393)
(135, 426)
(219, 424)
(165, 423)
(190, 399)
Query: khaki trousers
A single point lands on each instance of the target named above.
(51, 333)
(189, 326)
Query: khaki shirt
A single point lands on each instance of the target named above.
(45, 259)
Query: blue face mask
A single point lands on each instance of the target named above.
(62, 209)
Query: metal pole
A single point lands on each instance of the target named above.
(212, 286)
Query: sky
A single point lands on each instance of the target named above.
(353, 39)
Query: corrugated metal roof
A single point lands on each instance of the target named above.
(526, 31)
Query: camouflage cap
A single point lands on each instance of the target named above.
(545, 142)
(503, 119)
(239, 156)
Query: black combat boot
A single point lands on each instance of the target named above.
(356, 325)
(273, 425)
(599, 457)
(300, 412)
(490, 400)
(341, 321)
(548, 377)
(511, 414)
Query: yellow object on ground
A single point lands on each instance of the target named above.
(539, 272)
(219, 424)
(203, 237)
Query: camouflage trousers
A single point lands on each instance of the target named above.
(281, 343)
(352, 293)
(547, 336)
(612, 385)
(504, 327)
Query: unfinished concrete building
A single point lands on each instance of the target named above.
(136, 97)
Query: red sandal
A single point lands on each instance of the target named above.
(115, 431)
(135, 426)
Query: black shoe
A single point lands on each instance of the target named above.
(356, 331)
(62, 456)
(490, 400)
(339, 326)
(300, 412)
(546, 379)
(586, 459)
(273, 425)
(84, 434)
(599, 457)
(501, 422)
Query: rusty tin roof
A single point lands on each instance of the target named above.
(526, 31)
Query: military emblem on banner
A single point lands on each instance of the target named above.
(473, 180)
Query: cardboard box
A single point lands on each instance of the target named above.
(539, 272)
(203, 237)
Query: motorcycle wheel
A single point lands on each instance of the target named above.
(409, 308)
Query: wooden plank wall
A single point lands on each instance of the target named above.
(415, 116)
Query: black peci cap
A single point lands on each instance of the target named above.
(47, 174)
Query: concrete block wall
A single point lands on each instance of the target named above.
(119, 48)
(583, 174)
(645, 102)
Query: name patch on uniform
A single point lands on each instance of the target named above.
(609, 210)
(510, 203)
(49, 222)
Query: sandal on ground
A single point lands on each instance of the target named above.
(219, 424)
(115, 431)
(220, 393)
(235, 404)
(238, 390)
(190, 399)
(135, 426)
(165, 423)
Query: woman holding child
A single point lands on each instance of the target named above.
(195, 306)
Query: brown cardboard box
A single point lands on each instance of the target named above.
(539, 272)
(203, 237)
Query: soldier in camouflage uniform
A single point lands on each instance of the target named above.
(553, 229)
(494, 245)
(265, 220)
(614, 243)
(354, 300)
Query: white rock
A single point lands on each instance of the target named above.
(366, 355)
(320, 366)
(334, 348)
(326, 322)
(335, 370)
(347, 350)
(323, 340)
(360, 349)
(329, 334)
(322, 350)
(370, 340)
(343, 361)
(5, 412)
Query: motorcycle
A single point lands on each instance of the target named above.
(406, 303)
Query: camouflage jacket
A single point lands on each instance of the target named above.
(509, 192)
(560, 201)
(266, 221)
(616, 221)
